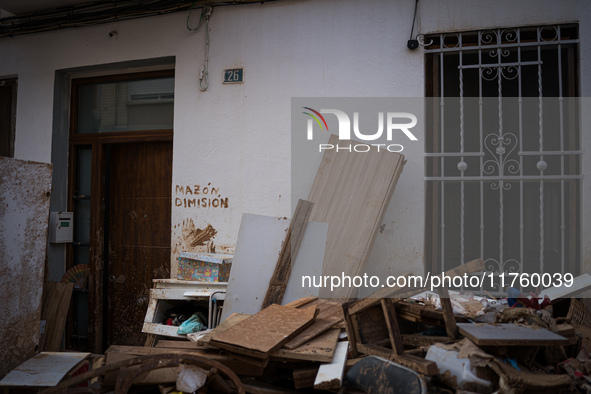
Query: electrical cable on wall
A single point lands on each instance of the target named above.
(204, 77)
(413, 43)
(96, 13)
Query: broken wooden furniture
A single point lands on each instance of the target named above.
(168, 291)
(372, 323)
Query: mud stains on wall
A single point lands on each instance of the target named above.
(199, 196)
(193, 237)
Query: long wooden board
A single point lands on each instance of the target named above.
(289, 252)
(264, 332)
(351, 193)
(56, 302)
(509, 335)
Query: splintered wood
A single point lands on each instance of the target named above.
(351, 193)
(263, 333)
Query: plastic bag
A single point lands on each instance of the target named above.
(193, 324)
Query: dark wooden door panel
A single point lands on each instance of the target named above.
(139, 205)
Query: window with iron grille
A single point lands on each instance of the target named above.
(503, 152)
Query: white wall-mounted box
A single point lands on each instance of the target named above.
(61, 227)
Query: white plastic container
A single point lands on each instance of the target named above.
(458, 368)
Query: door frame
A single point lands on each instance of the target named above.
(98, 142)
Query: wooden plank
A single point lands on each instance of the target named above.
(392, 324)
(329, 315)
(177, 344)
(289, 251)
(304, 377)
(301, 302)
(580, 284)
(266, 331)
(330, 376)
(390, 292)
(56, 302)
(509, 335)
(418, 340)
(255, 257)
(46, 369)
(319, 349)
(448, 314)
(25, 188)
(231, 321)
(351, 192)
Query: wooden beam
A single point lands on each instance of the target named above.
(291, 245)
(392, 323)
(448, 314)
(330, 376)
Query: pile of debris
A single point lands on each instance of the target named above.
(276, 335)
(415, 344)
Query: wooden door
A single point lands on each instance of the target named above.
(138, 209)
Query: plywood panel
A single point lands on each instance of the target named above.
(266, 331)
(351, 193)
(25, 188)
(509, 335)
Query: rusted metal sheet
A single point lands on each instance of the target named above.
(25, 188)
(44, 370)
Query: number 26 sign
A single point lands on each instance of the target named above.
(234, 75)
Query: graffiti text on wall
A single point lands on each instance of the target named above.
(199, 196)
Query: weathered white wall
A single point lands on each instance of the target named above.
(236, 138)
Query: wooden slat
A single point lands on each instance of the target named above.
(329, 315)
(330, 376)
(351, 193)
(448, 314)
(301, 302)
(320, 348)
(264, 332)
(56, 301)
(392, 323)
(289, 251)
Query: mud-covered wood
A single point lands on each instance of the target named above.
(289, 251)
(392, 323)
(448, 314)
(56, 302)
(320, 348)
(330, 313)
(139, 233)
(266, 331)
(330, 376)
